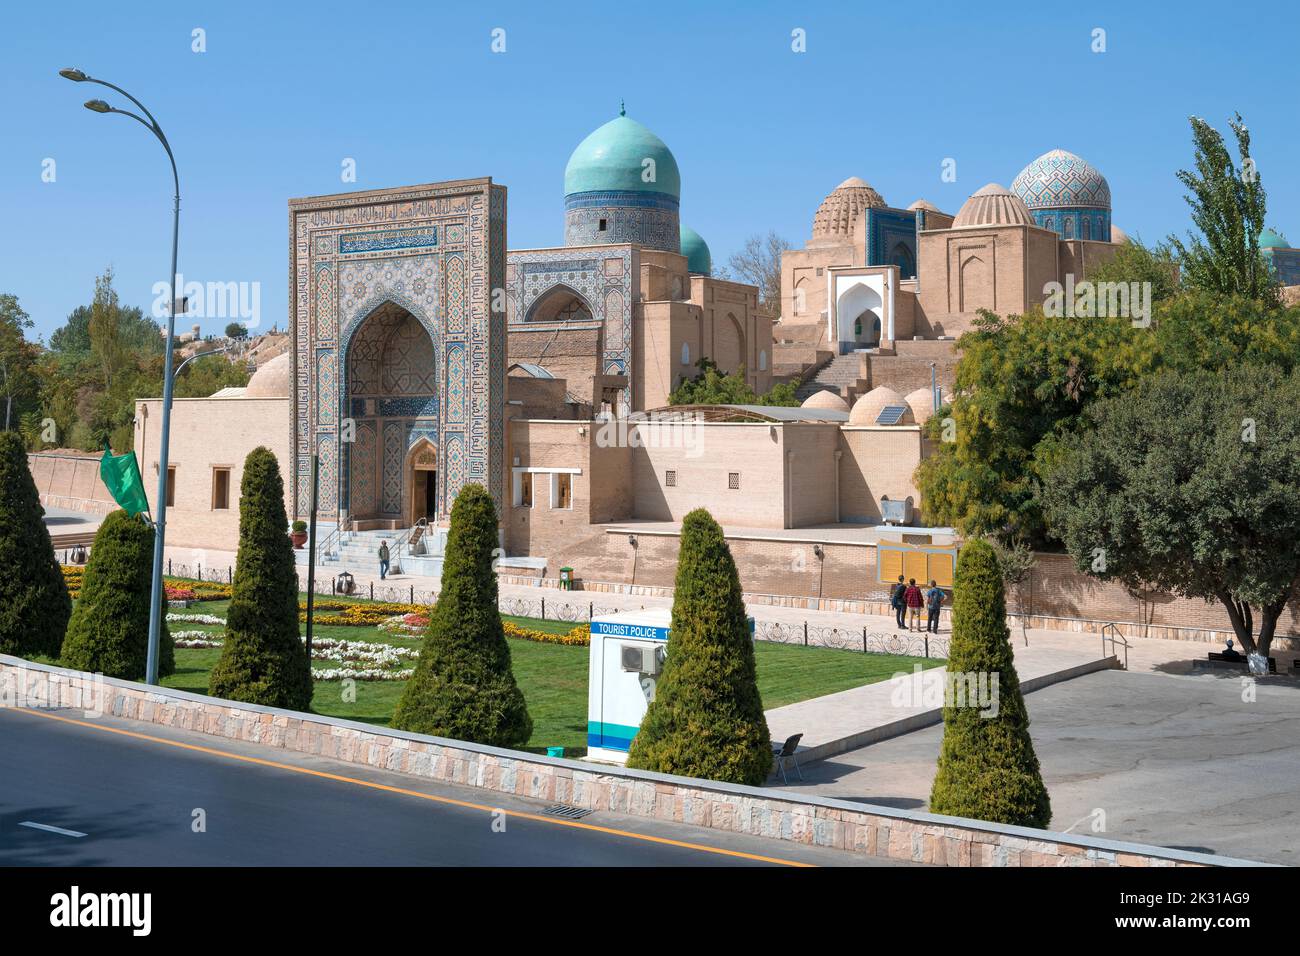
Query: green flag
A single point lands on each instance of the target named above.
(121, 476)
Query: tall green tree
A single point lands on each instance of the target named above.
(109, 630)
(706, 719)
(988, 769)
(19, 385)
(1228, 205)
(34, 602)
(1188, 485)
(106, 327)
(263, 661)
(463, 686)
(1022, 383)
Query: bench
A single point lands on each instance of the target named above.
(1216, 661)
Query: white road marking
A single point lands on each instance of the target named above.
(50, 829)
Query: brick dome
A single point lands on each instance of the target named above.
(921, 402)
(271, 380)
(840, 211)
(826, 400)
(993, 205)
(867, 408)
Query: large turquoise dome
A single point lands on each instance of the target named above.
(698, 259)
(614, 157)
(1066, 194)
(1058, 178)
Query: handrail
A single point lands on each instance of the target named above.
(401, 545)
(1111, 632)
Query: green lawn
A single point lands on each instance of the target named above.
(553, 677)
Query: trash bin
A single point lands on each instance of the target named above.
(555, 751)
(566, 579)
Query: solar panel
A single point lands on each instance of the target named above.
(891, 414)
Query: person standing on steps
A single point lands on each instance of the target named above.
(383, 560)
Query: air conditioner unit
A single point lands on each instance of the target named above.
(896, 512)
(640, 659)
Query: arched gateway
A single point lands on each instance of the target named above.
(399, 357)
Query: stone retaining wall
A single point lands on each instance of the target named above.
(876, 831)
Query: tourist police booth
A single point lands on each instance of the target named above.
(627, 656)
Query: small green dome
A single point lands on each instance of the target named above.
(614, 157)
(696, 251)
(1268, 239)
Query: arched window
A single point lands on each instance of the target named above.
(1069, 228)
(1087, 228)
(762, 360)
(686, 353)
(857, 328)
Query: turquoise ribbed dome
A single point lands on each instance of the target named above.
(696, 251)
(613, 158)
(1268, 239)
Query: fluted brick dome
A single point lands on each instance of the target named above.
(840, 211)
(993, 205)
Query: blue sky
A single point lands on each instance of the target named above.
(411, 91)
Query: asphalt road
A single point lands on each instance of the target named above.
(137, 800)
(1188, 762)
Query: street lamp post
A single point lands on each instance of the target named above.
(160, 523)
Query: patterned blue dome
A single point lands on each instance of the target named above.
(1058, 179)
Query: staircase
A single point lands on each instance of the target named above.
(417, 551)
(845, 375)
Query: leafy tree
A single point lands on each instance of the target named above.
(1134, 262)
(109, 631)
(19, 386)
(1188, 485)
(1228, 208)
(463, 686)
(263, 661)
(706, 719)
(105, 327)
(207, 375)
(34, 602)
(1021, 384)
(1024, 383)
(987, 766)
(713, 387)
(236, 330)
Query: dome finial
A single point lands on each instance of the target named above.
(622, 107)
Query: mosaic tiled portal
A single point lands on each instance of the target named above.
(394, 341)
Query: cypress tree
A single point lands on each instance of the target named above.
(706, 719)
(987, 766)
(34, 602)
(463, 686)
(109, 632)
(263, 661)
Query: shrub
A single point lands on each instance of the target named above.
(109, 632)
(987, 766)
(34, 602)
(463, 686)
(263, 660)
(706, 719)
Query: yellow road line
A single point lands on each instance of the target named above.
(577, 824)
